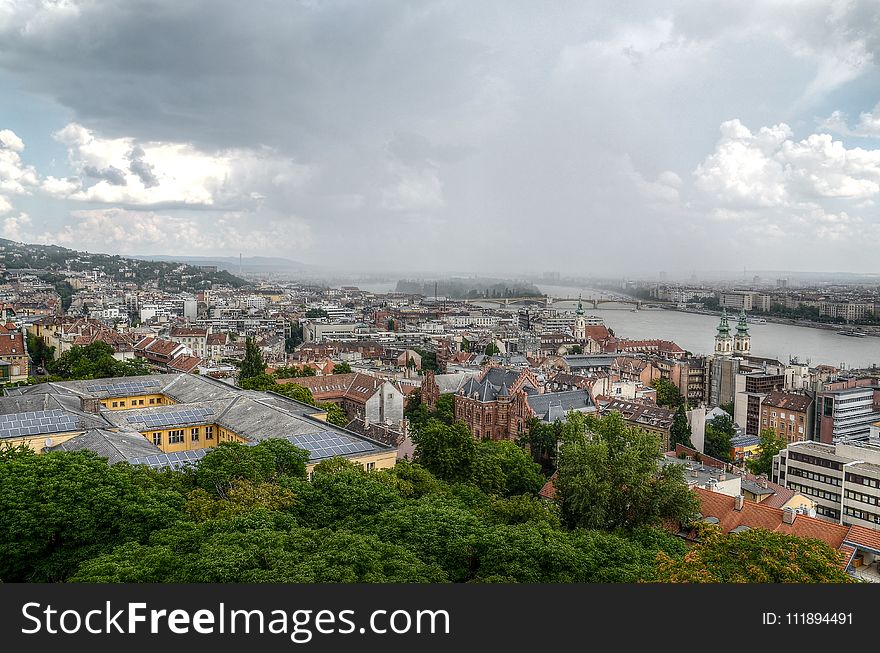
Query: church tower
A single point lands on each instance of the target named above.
(723, 341)
(580, 322)
(742, 342)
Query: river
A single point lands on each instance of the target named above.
(696, 333)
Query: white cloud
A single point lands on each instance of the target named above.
(17, 228)
(868, 125)
(123, 171)
(15, 177)
(5, 206)
(771, 169)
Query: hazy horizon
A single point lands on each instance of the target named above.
(499, 137)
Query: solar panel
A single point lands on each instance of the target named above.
(36, 423)
(124, 388)
(184, 415)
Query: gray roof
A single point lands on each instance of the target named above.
(550, 406)
(576, 361)
(452, 382)
(495, 383)
(115, 447)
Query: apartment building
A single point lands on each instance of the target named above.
(846, 415)
(843, 479)
(790, 415)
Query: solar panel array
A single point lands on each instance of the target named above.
(184, 415)
(172, 460)
(36, 423)
(326, 444)
(124, 388)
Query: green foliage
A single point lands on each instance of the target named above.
(668, 394)
(94, 361)
(728, 408)
(680, 432)
(253, 363)
(719, 433)
(335, 415)
(542, 441)
(609, 477)
(504, 469)
(265, 462)
(445, 411)
(294, 372)
(315, 313)
(342, 368)
(429, 360)
(39, 351)
(575, 350)
(267, 383)
(446, 451)
(492, 349)
(59, 509)
(771, 444)
(754, 556)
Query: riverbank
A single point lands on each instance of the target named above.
(775, 319)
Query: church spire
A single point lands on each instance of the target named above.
(723, 327)
(580, 308)
(742, 327)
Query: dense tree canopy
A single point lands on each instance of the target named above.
(610, 477)
(680, 432)
(253, 363)
(94, 361)
(668, 394)
(342, 368)
(718, 437)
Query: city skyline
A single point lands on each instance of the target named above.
(588, 140)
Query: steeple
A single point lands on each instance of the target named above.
(580, 308)
(723, 341)
(742, 342)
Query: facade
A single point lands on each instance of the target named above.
(13, 355)
(843, 479)
(751, 389)
(494, 405)
(790, 415)
(361, 396)
(195, 339)
(846, 415)
(644, 416)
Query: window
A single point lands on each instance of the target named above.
(140, 402)
(175, 436)
(772, 413)
(370, 467)
(157, 439)
(115, 404)
(152, 401)
(122, 404)
(209, 432)
(194, 434)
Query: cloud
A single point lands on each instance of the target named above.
(868, 125)
(15, 177)
(771, 169)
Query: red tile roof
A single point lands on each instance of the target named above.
(864, 537)
(549, 489)
(12, 344)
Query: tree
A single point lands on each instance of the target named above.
(668, 394)
(754, 556)
(542, 441)
(446, 451)
(231, 461)
(610, 477)
(342, 368)
(59, 509)
(680, 432)
(575, 349)
(39, 351)
(314, 313)
(771, 444)
(719, 433)
(728, 408)
(94, 361)
(492, 349)
(253, 363)
(335, 414)
(389, 326)
(445, 410)
(502, 468)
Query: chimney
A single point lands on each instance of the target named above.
(90, 405)
(788, 516)
(738, 503)
(764, 483)
(722, 477)
(694, 473)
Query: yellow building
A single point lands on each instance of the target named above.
(175, 414)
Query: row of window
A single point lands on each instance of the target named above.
(177, 436)
(864, 498)
(827, 512)
(862, 480)
(818, 462)
(862, 514)
(815, 492)
(813, 476)
(134, 403)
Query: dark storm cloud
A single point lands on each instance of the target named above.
(141, 168)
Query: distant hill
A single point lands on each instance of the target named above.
(49, 260)
(249, 264)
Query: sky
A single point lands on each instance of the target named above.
(500, 136)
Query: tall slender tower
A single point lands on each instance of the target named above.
(742, 342)
(723, 341)
(580, 322)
